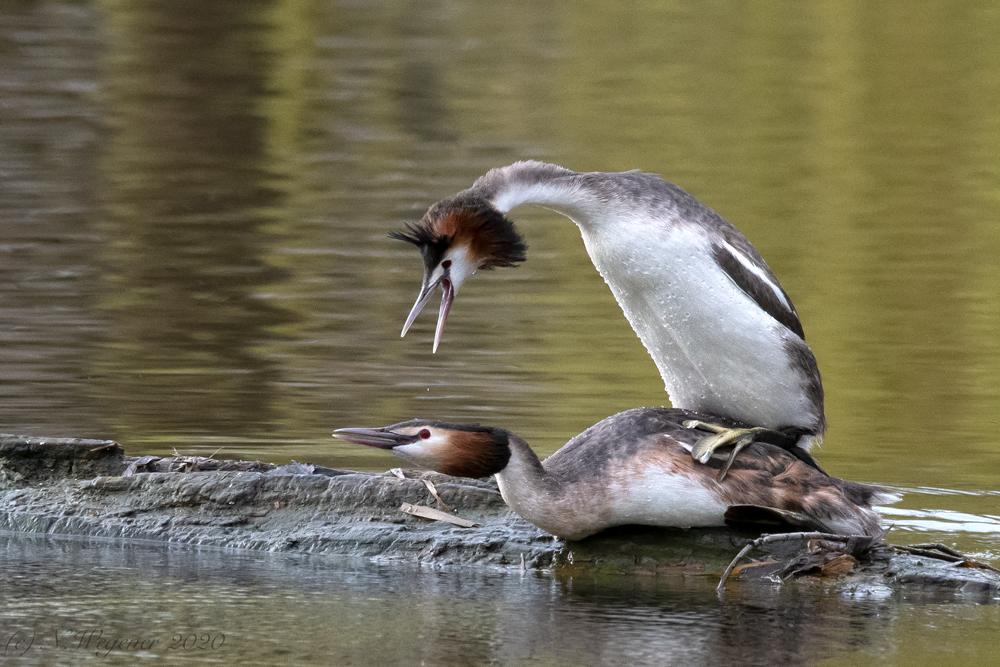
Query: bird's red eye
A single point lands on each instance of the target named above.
(446, 264)
(424, 434)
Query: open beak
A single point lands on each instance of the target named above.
(374, 437)
(447, 297)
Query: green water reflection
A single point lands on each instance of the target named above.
(193, 254)
(197, 195)
(191, 204)
(197, 227)
(259, 152)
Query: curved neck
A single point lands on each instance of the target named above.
(540, 183)
(523, 476)
(713, 317)
(540, 497)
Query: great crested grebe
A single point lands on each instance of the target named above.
(723, 333)
(633, 468)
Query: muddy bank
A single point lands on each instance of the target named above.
(90, 488)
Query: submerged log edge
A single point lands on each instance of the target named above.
(79, 487)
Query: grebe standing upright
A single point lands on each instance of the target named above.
(634, 468)
(723, 333)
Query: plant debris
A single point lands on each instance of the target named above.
(835, 555)
(436, 515)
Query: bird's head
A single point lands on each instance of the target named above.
(456, 238)
(459, 450)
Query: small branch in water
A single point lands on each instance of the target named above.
(725, 575)
(942, 552)
(939, 547)
(927, 553)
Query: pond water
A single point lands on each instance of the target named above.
(195, 199)
(67, 601)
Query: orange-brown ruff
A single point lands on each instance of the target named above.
(635, 468)
(473, 452)
(491, 239)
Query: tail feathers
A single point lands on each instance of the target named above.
(869, 495)
(856, 521)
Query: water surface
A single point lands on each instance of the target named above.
(195, 199)
(181, 605)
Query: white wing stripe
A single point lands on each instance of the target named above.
(756, 270)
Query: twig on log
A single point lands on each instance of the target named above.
(788, 537)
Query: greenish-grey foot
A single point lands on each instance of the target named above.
(723, 437)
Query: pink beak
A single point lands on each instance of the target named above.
(374, 437)
(447, 297)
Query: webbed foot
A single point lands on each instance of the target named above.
(723, 437)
